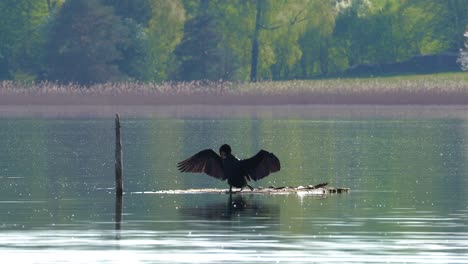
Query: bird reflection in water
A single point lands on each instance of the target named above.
(236, 206)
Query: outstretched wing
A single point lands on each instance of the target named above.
(207, 161)
(260, 165)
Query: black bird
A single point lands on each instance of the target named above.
(226, 166)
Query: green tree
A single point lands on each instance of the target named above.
(134, 61)
(227, 52)
(234, 20)
(301, 44)
(21, 37)
(165, 31)
(197, 54)
(356, 34)
(383, 31)
(463, 56)
(136, 10)
(136, 16)
(458, 21)
(84, 43)
(259, 9)
(52, 5)
(278, 28)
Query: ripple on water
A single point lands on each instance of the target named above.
(183, 246)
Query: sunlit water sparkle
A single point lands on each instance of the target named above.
(407, 174)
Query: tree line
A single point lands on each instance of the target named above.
(93, 41)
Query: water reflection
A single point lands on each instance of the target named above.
(118, 215)
(236, 206)
(408, 175)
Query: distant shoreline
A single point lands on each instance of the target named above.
(437, 89)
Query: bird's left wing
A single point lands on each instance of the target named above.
(207, 161)
(260, 165)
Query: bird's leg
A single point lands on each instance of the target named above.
(230, 189)
(250, 187)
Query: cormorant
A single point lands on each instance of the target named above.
(226, 166)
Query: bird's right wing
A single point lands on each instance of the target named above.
(206, 161)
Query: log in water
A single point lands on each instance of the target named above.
(309, 190)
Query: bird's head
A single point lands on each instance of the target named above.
(224, 150)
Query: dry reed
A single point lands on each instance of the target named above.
(454, 85)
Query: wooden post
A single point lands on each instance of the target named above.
(118, 159)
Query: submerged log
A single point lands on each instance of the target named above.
(319, 190)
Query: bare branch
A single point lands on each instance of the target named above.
(292, 22)
(296, 18)
(272, 27)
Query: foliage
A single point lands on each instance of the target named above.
(315, 41)
(136, 10)
(197, 51)
(91, 41)
(234, 20)
(21, 36)
(84, 43)
(164, 33)
(135, 16)
(214, 42)
(134, 50)
(463, 57)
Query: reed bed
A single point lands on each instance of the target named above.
(121, 88)
(333, 86)
(453, 86)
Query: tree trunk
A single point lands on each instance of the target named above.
(49, 7)
(255, 45)
(324, 56)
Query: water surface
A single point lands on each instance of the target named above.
(406, 167)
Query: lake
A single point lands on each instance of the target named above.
(406, 166)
